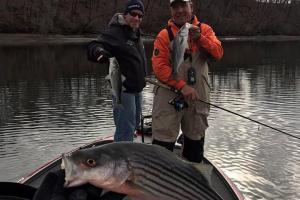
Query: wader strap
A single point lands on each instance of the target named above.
(170, 33)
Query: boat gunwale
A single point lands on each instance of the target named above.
(42, 169)
(46, 165)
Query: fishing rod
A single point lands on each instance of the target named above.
(179, 93)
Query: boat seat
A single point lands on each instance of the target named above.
(53, 185)
(12, 198)
(16, 191)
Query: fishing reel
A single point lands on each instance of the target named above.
(178, 103)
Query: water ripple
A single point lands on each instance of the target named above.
(50, 107)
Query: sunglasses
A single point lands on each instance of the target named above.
(134, 14)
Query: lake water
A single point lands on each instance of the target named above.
(53, 100)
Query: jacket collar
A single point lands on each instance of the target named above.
(118, 20)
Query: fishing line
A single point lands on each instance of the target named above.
(178, 92)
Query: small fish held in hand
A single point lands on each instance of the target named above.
(115, 79)
(141, 171)
(180, 44)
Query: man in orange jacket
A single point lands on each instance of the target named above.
(192, 119)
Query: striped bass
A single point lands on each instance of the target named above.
(115, 79)
(180, 44)
(141, 171)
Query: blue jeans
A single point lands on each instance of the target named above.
(127, 115)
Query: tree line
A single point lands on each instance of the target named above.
(227, 17)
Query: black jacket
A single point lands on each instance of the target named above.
(120, 41)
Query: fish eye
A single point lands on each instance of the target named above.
(91, 162)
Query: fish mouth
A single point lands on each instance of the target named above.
(73, 183)
(65, 161)
(72, 172)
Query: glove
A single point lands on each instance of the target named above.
(113, 196)
(52, 188)
(102, 55)
(97, 53)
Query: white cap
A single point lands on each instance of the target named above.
(171, 1)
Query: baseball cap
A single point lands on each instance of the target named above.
(172, 1)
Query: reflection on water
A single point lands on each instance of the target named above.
(52, 100)
(260, 81)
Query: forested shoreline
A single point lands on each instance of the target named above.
(227, 17)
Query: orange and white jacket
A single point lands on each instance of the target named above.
(161, 63)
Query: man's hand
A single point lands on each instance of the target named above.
(194, 33)
(102, 55)
(189, 93)
(99, 58)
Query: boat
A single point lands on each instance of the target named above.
(26, 187)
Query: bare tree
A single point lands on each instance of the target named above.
(228, 17)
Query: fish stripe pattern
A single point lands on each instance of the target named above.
(147, 171)
(159, 175)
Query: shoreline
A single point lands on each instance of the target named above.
(7, 39)
(259, 38)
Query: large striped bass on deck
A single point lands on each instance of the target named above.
(143, 172)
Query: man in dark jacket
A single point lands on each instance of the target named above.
(122, 40)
